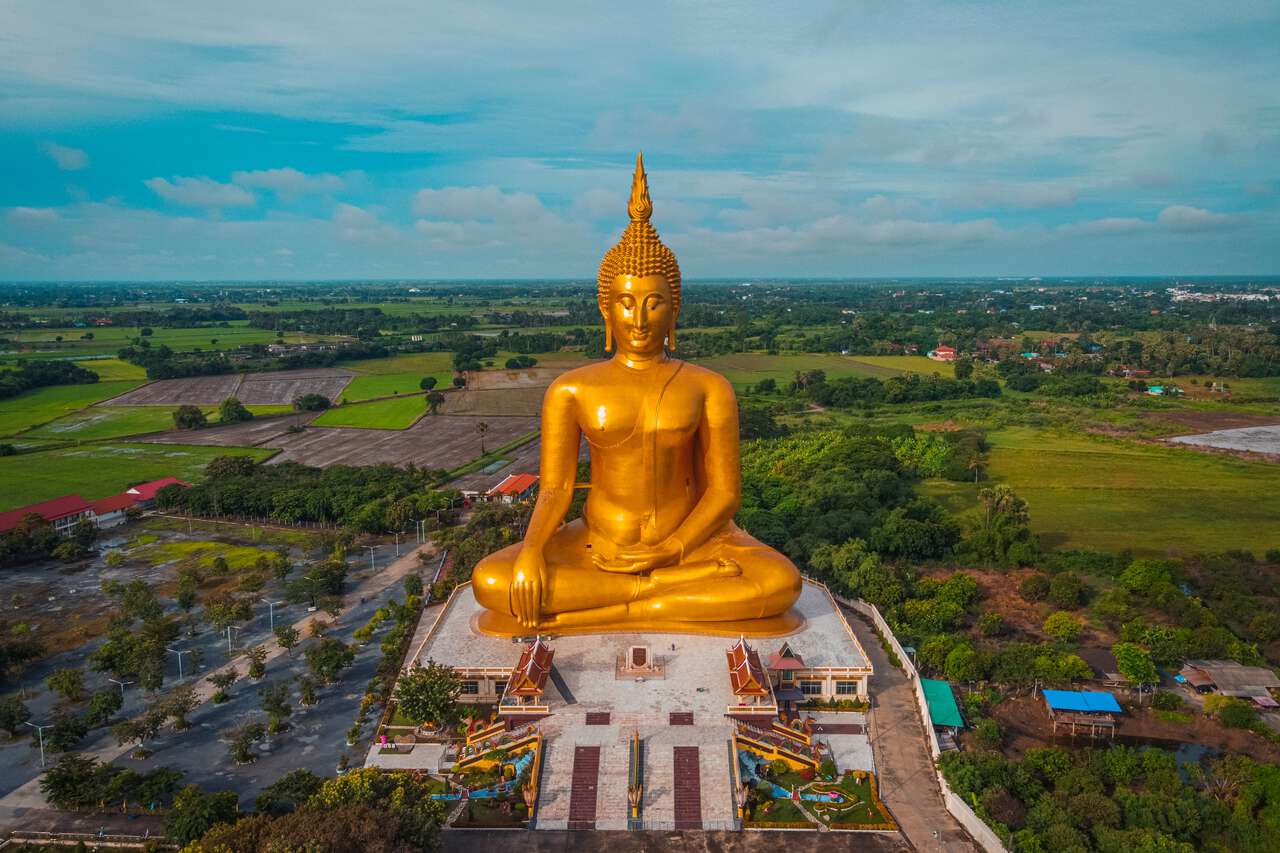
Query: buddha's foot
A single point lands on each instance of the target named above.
(722, 568)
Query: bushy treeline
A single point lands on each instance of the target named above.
(1120, 800)
(163, 363)
(853, 392)
(355, 322)
(371, 499)
(40, 374)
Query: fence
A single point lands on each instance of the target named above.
(958, 808)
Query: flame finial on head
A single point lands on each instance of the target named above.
(640, 207)
(640, 252)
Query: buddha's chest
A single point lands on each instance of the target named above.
(667, 414)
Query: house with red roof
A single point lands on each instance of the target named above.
(942, 352)
(515, 488)
(62, 513)
(145, 493)
(110, 512)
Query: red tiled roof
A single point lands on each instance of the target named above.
(943, 348)
(746, 675)
(49, 511)
(114, 503)
(530, 675)
(785, 658)
(514, 484)
(147, 491)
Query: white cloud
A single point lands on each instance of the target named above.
(289, 182)
(32, 214)
(1181, 217)
(1027, 196)
(358, 225)
(1107, 226)
(201, 192)
(68, 159)
(479, 204)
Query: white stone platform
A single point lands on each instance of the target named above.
(696, 680)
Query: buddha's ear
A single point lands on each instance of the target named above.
(671, 337)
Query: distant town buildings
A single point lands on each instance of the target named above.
(943, 353)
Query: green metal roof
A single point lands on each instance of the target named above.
(942, 703)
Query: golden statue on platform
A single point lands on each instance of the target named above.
(656, 548)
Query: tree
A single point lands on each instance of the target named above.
(240, 741)
(427, 383)
(307, 690)
(275, 701)
(328, 658)
(1066, 590)
(232, 411)
(196, 811)
(222, 680)
(429, 693)
(68, 682)
(1062, 626)
(413, 585)
(434, 401)
(189, 417)
(181, 701)
(482, 427)
(1134, 663)
(1034, 587)
(257, 656)
(289, 792)
(103, 705)
(287, 637)
(459, 381)
(311, 403)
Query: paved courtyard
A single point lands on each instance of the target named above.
(695, 680)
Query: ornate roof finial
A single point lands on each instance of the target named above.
(640, 208)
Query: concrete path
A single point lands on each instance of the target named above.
(904, 767)
(28, 799)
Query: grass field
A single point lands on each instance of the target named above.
(385, 385)
(46, 404)
(396, 413)
(103, 422)
(910, 364)
(202, 553)
(109, 369)
(413, 366)
(1110, 495)
(749, 368)
(102, 469)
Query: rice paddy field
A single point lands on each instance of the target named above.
(384, 385)
(98, 470)
(395, 413)
(42, 405)
(113, 368)
(107, 422)
(107, 340)
(1100, 493)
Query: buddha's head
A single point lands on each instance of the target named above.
(639, 282)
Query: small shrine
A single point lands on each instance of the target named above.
(784, 666)
(750, 683)
(528, 679)
(639, 662)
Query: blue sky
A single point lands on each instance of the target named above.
(273, 139)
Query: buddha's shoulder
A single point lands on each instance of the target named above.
(705, 376)
(601, 374)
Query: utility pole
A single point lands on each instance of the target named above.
(271, 611)
(40, 733)
(179, 653)
(122, 684)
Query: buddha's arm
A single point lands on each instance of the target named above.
(718, 435)
(560, 438)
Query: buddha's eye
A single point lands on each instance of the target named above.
(627, 301)
(653, 301)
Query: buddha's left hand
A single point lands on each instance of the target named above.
(641, 559)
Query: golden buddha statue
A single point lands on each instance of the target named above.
(656, 548)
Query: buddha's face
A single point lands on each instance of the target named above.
(640, 314)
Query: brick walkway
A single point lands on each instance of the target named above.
(687, 783)
(582, 796)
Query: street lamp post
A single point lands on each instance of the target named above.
(40, 733)
(372, 565)
(422, 530)
(230, 628)
(122, 684)
(271, 611)
(397, 543)
(179, 653)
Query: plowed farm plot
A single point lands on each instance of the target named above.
(250, 388)
(256, 432)
(435, 441)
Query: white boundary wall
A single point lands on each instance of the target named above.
(959, 809)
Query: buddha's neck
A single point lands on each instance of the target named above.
(637, 361)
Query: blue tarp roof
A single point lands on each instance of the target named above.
(1082, 700)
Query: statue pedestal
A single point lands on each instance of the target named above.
(589, 706)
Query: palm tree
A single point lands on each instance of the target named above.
(482, 428)
(975, 465)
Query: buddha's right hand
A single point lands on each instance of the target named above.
(526, 586)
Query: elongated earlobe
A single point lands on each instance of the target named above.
(608, 338)
(671, 339)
